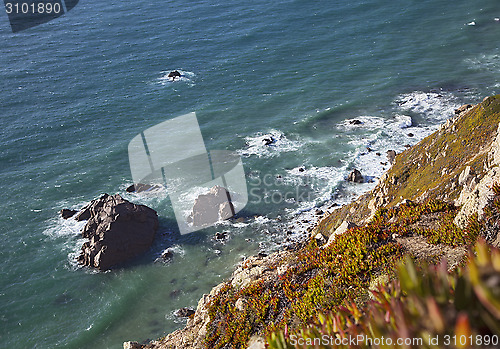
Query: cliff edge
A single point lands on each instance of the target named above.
(428, 206)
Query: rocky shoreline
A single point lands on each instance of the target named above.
(458, 165)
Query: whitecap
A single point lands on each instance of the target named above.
(362, 122)
(269, 144)
(175, 249)
(404, 121)
(433, 105)
(490, 62)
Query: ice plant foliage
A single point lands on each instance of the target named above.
(321, 280)
(444, 310)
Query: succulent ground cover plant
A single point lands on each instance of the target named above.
(427, 307)
(321, 280)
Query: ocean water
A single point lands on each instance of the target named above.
(76, 90)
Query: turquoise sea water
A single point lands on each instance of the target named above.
(76, 90)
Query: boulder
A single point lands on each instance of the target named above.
(221, 236)
(268, 140)
(174, 75)
(257, 342)
(67, 213)
(132, 345)
(463, 109)
(117, 230)
(212, 207)
(391, 156)
(345, 226)
(320, 239)
(184, 312)
(140, 187)
(356, 122)
(355, 176)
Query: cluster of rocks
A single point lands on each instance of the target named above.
(356, 176)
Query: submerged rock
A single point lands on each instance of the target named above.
(117, 230)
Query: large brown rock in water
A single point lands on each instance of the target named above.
(212, 207)
(117, 230)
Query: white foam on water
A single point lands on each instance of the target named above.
(361, 122)
(60, 227)
(269, 144)
(435, 107)
(69, 230)
(64, 227)
(321, 180)
(378, 134)
(489, 62)
(404, 121)
(175, 249)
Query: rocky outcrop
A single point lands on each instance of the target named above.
(184, 312)
(117, 230)
(67, 213)
(391, 156)
(455, 164)
(132, 345)
(477, 189)
(463, 109)
(345, 226)
(458, 163)
(141, 187)
(211, 207)
(355, 176)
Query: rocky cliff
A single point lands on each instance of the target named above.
(456, 164)
(428, 205)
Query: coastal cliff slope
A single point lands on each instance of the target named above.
(428, 205)
(455, 164)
